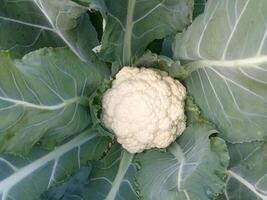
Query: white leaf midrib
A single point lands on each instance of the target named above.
(257, 59)
(234, 29)
(54, 29)
(246, 62)
(26, 104)
(61, 35)
(125, 163)
(247, 184)
(177, 152)
(9, 182)
(27, 23)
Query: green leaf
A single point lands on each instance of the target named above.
(228, 44)
(192, 168)
(171, 46)
(93, 4)
(22, 31)
(155, 46)
(164, 63)
(131, 25)
(113, 177)
(27, 179)
(45, 96)
(30, 25)
(167, 46)
(247, 178)
(199, 7)
(71, 189)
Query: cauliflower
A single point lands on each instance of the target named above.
(144, 108)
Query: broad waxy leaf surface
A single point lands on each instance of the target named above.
(45, 96)
(132, 24)
(192, 168)
(113, 177)
(247, 175)
(228, 44)
(27, 179)
(71, 189)
(28, 25)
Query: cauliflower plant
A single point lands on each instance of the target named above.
(144, 108)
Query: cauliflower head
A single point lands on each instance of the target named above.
(144, 108)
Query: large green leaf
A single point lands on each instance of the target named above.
(45, 96)
(228, 44)
(27, 179)
(132, 24)
(29, 25)
(71, 189)
(22, 31)
(113, 177)
(192, 168)
(247, 176)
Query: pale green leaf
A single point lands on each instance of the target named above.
(45, 96)
(193, 167)
(132, 24)
(27, 179)
(28, 25)
(228, 44)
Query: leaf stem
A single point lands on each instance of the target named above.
(127, 43)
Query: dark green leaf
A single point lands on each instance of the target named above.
(29, 25)
(132, 24)
(155, 46)
(199, 7)
(70, 190)
(167, 46)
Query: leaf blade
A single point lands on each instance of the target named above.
(44, 96)
(43, 169)
(247, 172)
(230, 62)
(113, 177)
(48, 24)
(178, 173)
(132, 25)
